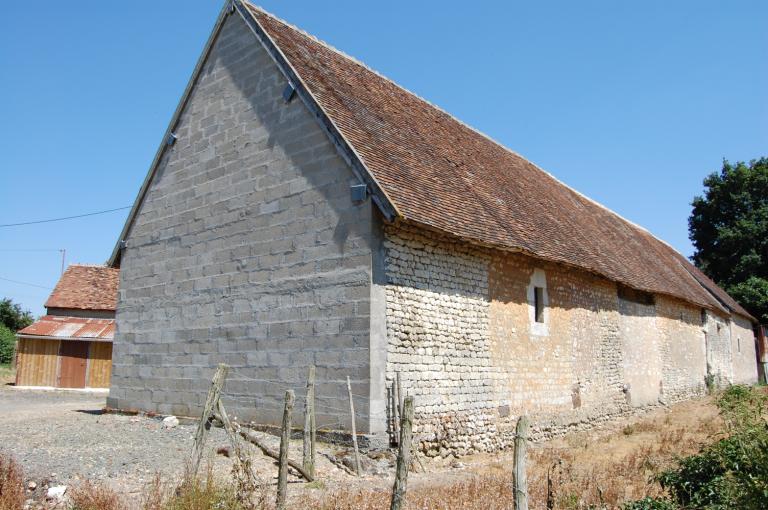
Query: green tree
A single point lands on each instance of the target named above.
(12, 316)
(7, 345)
(729, 229)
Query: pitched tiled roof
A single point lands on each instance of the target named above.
(440, 173)
(711, 286)
(86, 288)
(77, 328)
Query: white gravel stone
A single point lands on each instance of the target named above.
(170, 422)
(56, 493)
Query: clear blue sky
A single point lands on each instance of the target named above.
(630, 104)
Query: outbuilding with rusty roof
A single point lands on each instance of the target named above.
(71, 346)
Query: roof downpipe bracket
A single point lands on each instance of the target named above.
(289, 92)
(359, 193)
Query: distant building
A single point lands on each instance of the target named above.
(304, 210)
(71, 346)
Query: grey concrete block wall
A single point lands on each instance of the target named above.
(247, 250)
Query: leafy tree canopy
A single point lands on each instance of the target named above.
(12, 316)
(729, 230)
(7, 345)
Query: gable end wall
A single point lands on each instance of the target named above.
(247, 250)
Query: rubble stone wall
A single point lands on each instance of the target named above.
(462, 334)
(719, 355)
(744, 349)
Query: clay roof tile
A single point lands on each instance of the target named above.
(86, 287)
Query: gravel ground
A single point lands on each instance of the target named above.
(63, 438)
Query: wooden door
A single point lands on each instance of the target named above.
(100, 367)
(36, 362)
(73, 364)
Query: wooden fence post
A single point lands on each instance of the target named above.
(282, 473)
(521, 480)
(403, 456)
(308, 461)
(354, 427)
(205, 419)
(246, 479)
(397, 398)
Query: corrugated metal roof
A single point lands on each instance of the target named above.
(74, 328)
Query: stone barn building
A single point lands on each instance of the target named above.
(303, 209)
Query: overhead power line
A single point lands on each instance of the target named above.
(31, 249)
(26, 283)
(65, 217)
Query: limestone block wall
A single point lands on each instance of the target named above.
(437, 329)
(462, 333)
(641, 346)
(744, 351)
(247, 250)
(718, 342)
(683, 349)
(568, 368)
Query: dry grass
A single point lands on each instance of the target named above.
(11, 485)
(199, 495)
(576, 472)
(622, 466)
(489, 492)
(89, 496)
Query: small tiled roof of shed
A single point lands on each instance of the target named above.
(86, 287)
(440, 173)
(70, 328)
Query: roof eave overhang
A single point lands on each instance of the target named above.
(716, 305)
(342, 145)
(70, 338)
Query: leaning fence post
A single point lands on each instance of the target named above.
(243, 470)
(285, 437)
(217, 383)
(309, 424)
(521, 480)
(403, 455)
(354, 427)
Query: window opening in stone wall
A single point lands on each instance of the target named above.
(538, 303)
(634, 295)
(738, 344)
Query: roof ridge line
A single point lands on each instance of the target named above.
(456, 119)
